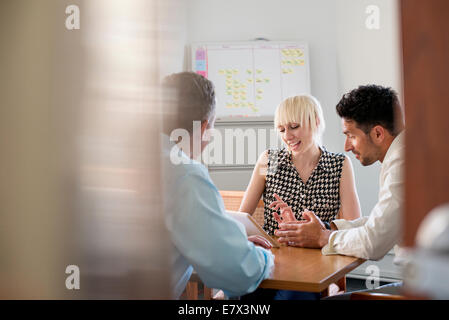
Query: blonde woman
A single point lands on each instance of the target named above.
(303, 175)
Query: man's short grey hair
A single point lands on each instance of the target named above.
(187, 97)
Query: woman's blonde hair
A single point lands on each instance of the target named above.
(304, 110)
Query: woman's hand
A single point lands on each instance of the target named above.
(286, 211)
(260, 241)
(307, 233)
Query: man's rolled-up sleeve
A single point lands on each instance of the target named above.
(371, 237)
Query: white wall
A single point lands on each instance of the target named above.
(172, 22)
(313, 21)
(367, 56)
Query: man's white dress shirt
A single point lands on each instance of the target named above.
(373, 236)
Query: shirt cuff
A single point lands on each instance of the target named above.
(269, 262)
(343, 224)
(329, 248)
(268, 269)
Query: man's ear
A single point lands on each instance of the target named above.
(204, 125)
(377, 134)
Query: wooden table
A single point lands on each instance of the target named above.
(308, 270)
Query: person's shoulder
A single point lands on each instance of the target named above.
(333, 157)
(395, 155)
(394, 166)
(196, 168)
(276, 153)
(187, 168)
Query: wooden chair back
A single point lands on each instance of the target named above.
(233, 199)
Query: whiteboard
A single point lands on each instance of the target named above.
(252, 78)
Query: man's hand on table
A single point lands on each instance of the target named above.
(260, 241)
(308, 233)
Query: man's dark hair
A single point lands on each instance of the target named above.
(187, 97)
(371, 105)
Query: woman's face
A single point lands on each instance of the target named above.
(297, 138)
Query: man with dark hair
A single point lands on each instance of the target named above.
(376, 113)
(372, 105)
(203, 235)
(373, 124)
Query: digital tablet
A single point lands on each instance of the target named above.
(252, 227)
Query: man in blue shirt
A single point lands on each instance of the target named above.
(203, 235)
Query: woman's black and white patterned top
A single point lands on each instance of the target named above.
(321, 193)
